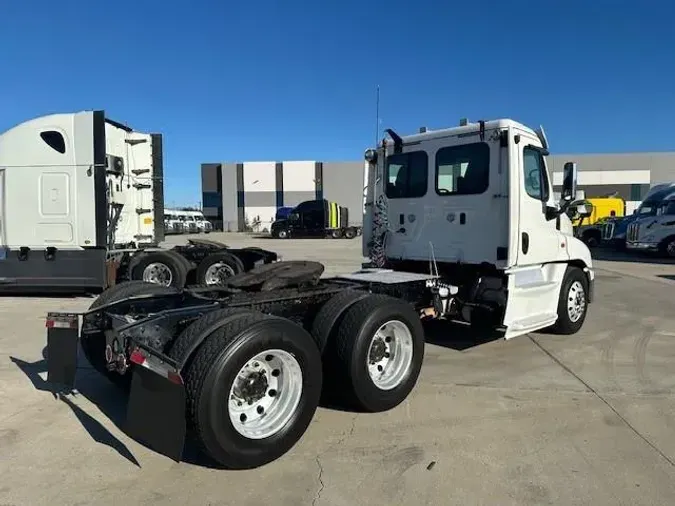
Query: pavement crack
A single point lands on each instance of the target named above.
(317, 496)
(606, 402)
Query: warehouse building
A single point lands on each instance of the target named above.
(241, 196)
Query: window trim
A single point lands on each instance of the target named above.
(543, 173)
(407, 154)
(436, 169)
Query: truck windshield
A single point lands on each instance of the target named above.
(647, 209)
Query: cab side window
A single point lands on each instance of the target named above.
(534, 174)
(407, 175)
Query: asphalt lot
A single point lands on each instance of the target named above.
(540, 419)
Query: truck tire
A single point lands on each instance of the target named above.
(336, 234)
(378, 353)
(239, 415)
(350, 233)
(325, 321)
(93, 345)
(161, 268)
(183, 346)
(667, 247)
(218, 266)
(572, 302)
(281, 234)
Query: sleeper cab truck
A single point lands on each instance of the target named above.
(241, 367)
(81, 208)
(315, 218)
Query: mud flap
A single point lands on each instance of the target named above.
(156, 406)
(62, 336)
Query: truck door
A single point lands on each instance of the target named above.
(406, 177)
(534, 282)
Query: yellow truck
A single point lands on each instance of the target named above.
(588, 228)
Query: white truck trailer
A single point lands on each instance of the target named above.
(461, 224)
(82, 206)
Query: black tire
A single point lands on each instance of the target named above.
(281, 234)
(336, 234)
(93, 345)
(566, 325)
(228, 259)
(349, 351)
(212, 371)
(592, 239)
(667, 247)
(176, 266)
(350, 233)
(182, 347)
(326, 319)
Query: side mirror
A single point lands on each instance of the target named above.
(569, 186)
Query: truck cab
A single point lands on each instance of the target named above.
(614, 230)
(653, 229)
(314, 218)
(475, 203)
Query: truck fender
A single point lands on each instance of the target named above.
(329, 314)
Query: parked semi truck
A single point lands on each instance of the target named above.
(460, 224)
(315, 218)
(655, 232)
(589, 225)
(81, 203)
(614, 230)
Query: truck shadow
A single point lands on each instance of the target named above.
(456, 336)
(111, 401)
(92, 391)
(107, 398)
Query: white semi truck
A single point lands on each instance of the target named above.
(461, 225)
(82, 207)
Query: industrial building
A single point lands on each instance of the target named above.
(241, 196)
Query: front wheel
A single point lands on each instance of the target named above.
(667, 247)
(572, 302)
(253, 388)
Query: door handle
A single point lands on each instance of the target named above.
(525, 242)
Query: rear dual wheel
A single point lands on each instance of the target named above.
(374, 353)
(253, 386)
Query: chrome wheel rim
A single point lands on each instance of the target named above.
(218, 272)
(576, 302)
(390, 355)
(158, 273)
(265, 394)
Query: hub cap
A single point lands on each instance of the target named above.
(158, 273)
(265, 394)
(576, 302)
(217, 273)
(390, 355)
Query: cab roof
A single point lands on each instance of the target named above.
(469, 128)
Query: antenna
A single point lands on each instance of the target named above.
(377, 116)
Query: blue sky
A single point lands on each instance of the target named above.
(272, 80)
